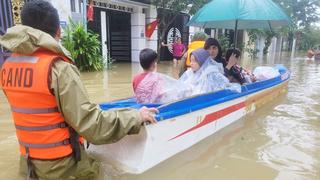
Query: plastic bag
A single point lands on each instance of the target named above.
(160, 88)
(265, 72)
(208, 79)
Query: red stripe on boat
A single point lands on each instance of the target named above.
(213, 117)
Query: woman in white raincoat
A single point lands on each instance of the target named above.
(205, 76)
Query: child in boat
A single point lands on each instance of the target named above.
(204, 76)
(152, 87)
(234, 72)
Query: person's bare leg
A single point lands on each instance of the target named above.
(175, 61)
(178, 62)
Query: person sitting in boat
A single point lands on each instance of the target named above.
(227, 67)
(152, 87)
(212, 45)
(204, 76)
(234, 72)
(197, 41)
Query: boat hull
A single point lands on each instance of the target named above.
(156, 143)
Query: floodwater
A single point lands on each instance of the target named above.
(279, 141)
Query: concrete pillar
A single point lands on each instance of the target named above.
(245, 39)
(104, 37)
(293, 48)
(260, 46)
(272, 51)
(212, 34)
(273, 46)
(216, 34)
(151, 15)
(138, 41)
(279, 44)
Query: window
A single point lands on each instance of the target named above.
(73, 5)
(80, 5)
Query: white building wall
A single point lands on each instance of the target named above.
(279, 44)
(260, 45)
(151, 15)
(138, 41)
(138, 22)
(64, 9)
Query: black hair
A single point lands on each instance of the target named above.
(40, 14)
(147, 58)
(213, 42)
(235, 51)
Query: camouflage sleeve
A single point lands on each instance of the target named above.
(95, 125)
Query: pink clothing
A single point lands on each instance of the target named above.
(159, 88)
(147, 87)
(137, 79)
(178, 49)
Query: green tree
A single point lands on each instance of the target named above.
(302, 13)
(310, 38)
(170, 10)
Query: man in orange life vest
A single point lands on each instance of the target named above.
(50, 106)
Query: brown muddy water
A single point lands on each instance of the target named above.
(279, 141)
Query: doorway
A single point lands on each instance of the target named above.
(114, 28)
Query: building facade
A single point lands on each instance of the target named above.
(120, 24)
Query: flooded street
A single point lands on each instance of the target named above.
(279, 141)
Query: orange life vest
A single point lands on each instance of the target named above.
(193, 46)
(40, 127)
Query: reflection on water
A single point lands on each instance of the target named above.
(279, 141)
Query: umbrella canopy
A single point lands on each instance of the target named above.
(245, 14)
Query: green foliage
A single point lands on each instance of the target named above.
(268, 35)
(85, 47)
(224, 43)
(310, 38)
(250, 46)
(302, 12)
(199, 36)
(170, 9)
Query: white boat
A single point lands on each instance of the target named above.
(184, 123)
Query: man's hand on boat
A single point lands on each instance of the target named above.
(147, 115)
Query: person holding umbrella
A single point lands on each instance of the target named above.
(229, 65)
